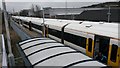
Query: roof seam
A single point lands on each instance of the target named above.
(45, 49)
(39, 44)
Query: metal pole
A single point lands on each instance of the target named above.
(109, 14)
(66, 9)
(43, 24)
(10, 55)
(73, 16)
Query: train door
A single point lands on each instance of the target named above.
(114, 53)
(90, 45)
(101, 45)
(46, 31)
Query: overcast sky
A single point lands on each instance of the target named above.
(17, 5)
(58, 0)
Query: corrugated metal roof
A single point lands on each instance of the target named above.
(46, 52)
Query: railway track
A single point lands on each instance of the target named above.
(23, 32)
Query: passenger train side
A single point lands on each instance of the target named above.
(87, 37)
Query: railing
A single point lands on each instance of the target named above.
(4, 55)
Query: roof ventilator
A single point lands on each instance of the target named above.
(60, 21)
(101, 23)
(88, 26)
(80, 22)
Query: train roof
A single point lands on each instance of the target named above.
(40, 20)
(47, 52)
(104, 29)
(99, 28)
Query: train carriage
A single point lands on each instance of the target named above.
(97, 38)
(85, 36)
(55, 29)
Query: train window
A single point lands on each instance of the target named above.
(89, 44)
(55, 33)
(77, 40)
(37, 26)
(114, 53)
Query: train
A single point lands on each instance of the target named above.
(88, 37)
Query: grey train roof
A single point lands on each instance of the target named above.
(47, 52)
(99, 28)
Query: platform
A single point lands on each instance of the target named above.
(24, 33)
(31, 33)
